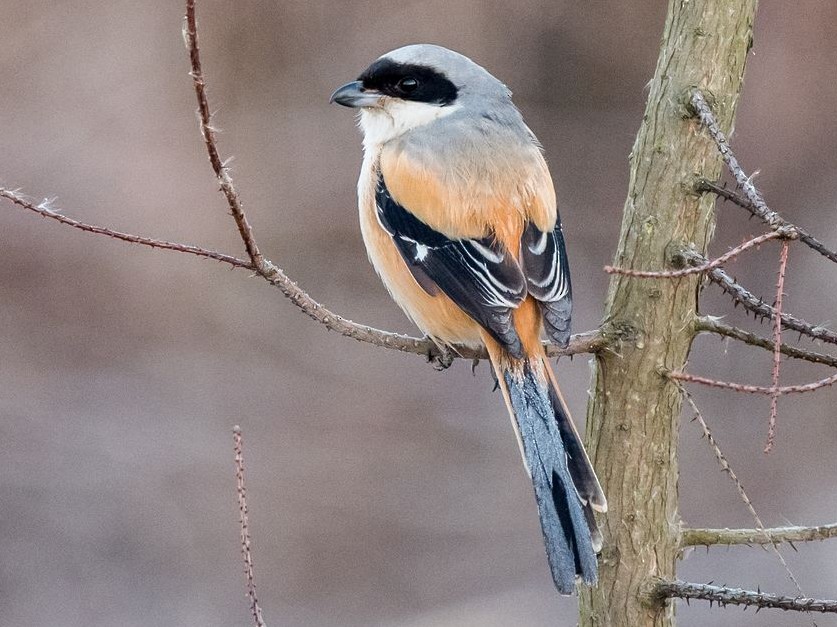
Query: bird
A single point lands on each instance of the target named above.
(459, 217)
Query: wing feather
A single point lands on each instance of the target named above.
(479, 275)
(545, 264)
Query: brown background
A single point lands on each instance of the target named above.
(382, 492)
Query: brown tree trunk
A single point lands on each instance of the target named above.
(633, 417)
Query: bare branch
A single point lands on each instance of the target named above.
(754, 389)
(709, 324)
(739, 487)
(736, 596)
(705, 267)
(46, 210)
(755, 304)
(777, 347)
(241, 490)
(778, 221)
(707, 118)
(190, 33)
(711, 537)
(589, 342)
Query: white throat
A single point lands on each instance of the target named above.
(396, 117)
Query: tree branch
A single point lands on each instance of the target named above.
(753, 303)
(222, 173)
(709, 324)
(589, 342)
(739, 487)
(710, 537)
(46, 210)
(705, 267)
(736, 596)
(707, 118)
(244, 522)
(805, 237)
(777, 347)
(754, 389)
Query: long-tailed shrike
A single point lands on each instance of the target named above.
(459, 217)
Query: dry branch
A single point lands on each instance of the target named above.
(723, 462)
(709, 324)
(707, 118)
(244, 521)
(736, 596)
(705, 267)
(46, 210)
(753, 389)
(754, 304)
(711, 537)
(777, 347)
(778, 221)
(218, 166)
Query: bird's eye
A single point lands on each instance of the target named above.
(407, 84)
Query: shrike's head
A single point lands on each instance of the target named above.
(417, 85)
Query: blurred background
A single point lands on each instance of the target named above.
(381, 491)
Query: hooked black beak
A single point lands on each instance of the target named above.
(354, 95)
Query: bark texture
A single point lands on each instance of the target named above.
(633, 416)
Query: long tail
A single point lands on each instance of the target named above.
(566, 488)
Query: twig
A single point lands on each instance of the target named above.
(709, 324)
(222, 173)
(755, 304)
(46, 210)
(710, 537)
(589, 342)
(245, 527)
(736, 596)
(777, 347)
(754, 389)
(739, 487)
(705, 267)
(778, 221)
(707, 118)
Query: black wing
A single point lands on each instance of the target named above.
(547, 269)
(476, 274)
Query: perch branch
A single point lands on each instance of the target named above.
(705, 267)
(710, 537)
(589, 342)
(709, 324)
(736, 596)
(805, 237)
(244, 520)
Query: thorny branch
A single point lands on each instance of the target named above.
(705, 267)
(589, 342)
(756, 305)
(723, 462)
(778, 221)
(754, 389)
(736, 596)
(711, 537)
(777, 347)
(244, 520)
(710, 324)
(707, 118)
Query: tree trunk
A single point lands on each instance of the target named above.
(633, 417)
